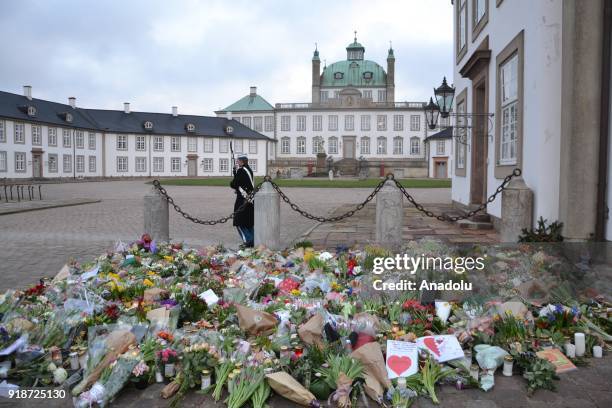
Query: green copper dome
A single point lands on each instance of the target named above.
(358, 73)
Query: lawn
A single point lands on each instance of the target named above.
(311, 182)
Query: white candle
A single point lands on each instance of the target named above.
(580, 344)
(508, 363)
(159, 377)
(401, 383)
(570, 350)
(597, 352)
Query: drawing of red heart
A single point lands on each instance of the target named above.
(432, 344)
(399, 364)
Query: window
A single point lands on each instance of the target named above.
(258, 123)
(252, 146)
(31, 111)
(365, 145)
(285, 123)
(398, 122)
(365, 122)
(36, 135)
(141, 164)
(317, 145)
(339, 75)
(381, 145)
(382, 95)
(140, 143)
(52, 136)
(398, 145)
(440, 147)
(92, 164)
(19, 133)
(175, 144)
(175, 164)
(324, 96)
(367, 95)
(20, 162)
(158, 143)
(51, 160)
(91, 142)
(317, 123)
(508, 73)
(208, 145)
(415, 145)
(238, 146)
(122, 142)
(332, 122)
(190, 128)
(67, 163)
(122, 164)
(223, 146)
(381, 123)
(269, 123)
(158, 164)
(285, 145)
(415, 123)
(80, 164)
(192, 144)
(301, 123)
(79, 139)
(207, 165)
(461, 29)
(3, 163)
(253, 165)
(223, 165)
(333, 145)
(2, 132)
(336, 94)
(148, 125)
(480, 12)
(246, 121)
(461, 140)
(349, 122)
(66, 139)
(301, 145)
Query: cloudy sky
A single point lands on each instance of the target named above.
(204, 55)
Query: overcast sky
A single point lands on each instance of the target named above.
(204, 55)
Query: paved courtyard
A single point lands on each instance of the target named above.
(38, 243)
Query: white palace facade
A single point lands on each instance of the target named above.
(352, 116)
(43, 139)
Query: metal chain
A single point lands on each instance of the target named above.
(347, 214)
(248, 200)
(442, 217)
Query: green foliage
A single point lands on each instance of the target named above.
(352, 368)
(303, 244)
(543, 232)
(508, 329)
(540, 374)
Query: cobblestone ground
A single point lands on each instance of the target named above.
(37, 243)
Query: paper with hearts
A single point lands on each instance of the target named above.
(402, 359)
(442, 348)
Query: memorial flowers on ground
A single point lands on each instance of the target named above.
(303, 324)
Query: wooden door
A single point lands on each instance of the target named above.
(192, 167)
(348, 148)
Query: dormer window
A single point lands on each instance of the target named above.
(190, 127)
(148, 125)
(338, 75)
(68, 117)
(31, 111)
(229, 130)
(368, 75)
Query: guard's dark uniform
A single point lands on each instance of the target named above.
(244, 220)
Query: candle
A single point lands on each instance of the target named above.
(74, 361)
(474, 371)
(597, 352)
(570, 350)
(158, 376)
(579, 341)
(298, 350)
(169, 369)
(508, 363)
(206, 379)
(401, 383)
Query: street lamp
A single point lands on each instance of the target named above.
(431, 114)
(444, 98)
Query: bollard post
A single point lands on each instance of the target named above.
(389, 216)
(517, 210)
(267, 217)
(156, 216)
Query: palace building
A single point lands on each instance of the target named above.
(352, 121)
(43, 139)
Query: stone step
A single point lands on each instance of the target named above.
(481, 217)
(474, 225)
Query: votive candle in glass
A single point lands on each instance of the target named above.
(508, 363)
(159, 377)
(74, 360)
(474, 371)
(570, 350)
(579, 342)
(401, 383)
(206, 379)
(597, 352)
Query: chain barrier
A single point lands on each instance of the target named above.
(350, 213)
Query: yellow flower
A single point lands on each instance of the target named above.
(168, 258)
(114, 276)
(147, 282)
(152, 274)
(295, 292)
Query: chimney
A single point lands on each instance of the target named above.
(126, 107)
(229, 115)
(175, 111)
(27, 91)
(253, 91)
(72, 102)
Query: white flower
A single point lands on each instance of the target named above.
(357, 270)
(60, 375)
(51, 367)
(325, 256)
